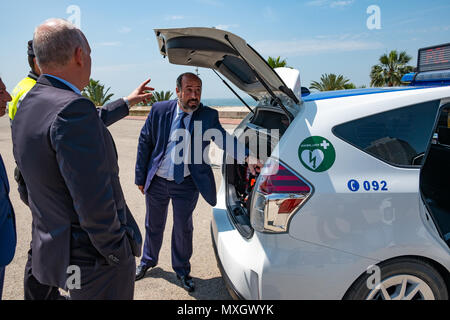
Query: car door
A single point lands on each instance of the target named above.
(435, 175)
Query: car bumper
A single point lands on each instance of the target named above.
(234, 293)
(277, 266)
(239, 269)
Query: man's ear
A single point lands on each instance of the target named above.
(79, 56)
(36, 67)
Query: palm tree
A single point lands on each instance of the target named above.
(277, 62)
(96, 93)
(331, 82)
(157, 97)
(162, 96)
(349, 86)
(391, 69)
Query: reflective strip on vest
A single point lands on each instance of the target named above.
(19, 92)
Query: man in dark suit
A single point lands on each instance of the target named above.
(82, 228)
(170, 166)
(8, 237)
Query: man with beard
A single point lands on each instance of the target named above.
(165, 171)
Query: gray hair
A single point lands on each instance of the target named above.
(55, 42)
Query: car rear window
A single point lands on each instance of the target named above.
(399, 137)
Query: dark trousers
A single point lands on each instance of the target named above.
(99, 281)
(103, 281)
(184, 200)
(33, 289)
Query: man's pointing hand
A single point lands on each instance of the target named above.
(141, 94)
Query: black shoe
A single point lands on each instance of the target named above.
(140, 272)
(187, 283)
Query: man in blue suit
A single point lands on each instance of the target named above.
(8, 237)
(170, 166)
(82, 228)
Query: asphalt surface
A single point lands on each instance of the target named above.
(161, 282)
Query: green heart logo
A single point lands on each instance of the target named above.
(317, 154)
(313, 158)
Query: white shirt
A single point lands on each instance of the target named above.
(166, 169)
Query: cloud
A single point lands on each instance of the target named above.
(317, 3)
(109, 44)
(120, 67)
(429, 30)
(227, 27)
(330, 3)
(314, 46)
(341, 3)
(125, 30)
(174, 17)
(214, 3)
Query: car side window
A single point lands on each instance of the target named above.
(442, 134)
(399, 137)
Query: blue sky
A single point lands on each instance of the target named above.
(315, 36)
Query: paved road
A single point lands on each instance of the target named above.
(161, 282)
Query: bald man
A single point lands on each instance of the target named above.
(84, 237)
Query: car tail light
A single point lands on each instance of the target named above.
(278, 194)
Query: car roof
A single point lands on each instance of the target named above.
(356, 92)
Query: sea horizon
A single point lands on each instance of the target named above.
(228, 102)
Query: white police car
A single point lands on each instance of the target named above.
(353, 200)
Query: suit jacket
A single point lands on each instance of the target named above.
(68, 161)
(154, 139)
(8, 237)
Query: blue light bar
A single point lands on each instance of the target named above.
(431, 78)
(409, 77)
(442, 75)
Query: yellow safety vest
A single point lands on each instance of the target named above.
(18, 94)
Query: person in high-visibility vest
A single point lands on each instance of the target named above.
(24, 86)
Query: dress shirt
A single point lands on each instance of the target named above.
(76, 90)
(166, 170)
(67, 83)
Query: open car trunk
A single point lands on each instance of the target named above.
(231, 56)
(261, 133)
(435, 176)
(278, 92)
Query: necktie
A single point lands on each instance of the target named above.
(178, 172)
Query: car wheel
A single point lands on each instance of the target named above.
(400, 279)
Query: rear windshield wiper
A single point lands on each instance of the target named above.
(276, 99)
(232, 90)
